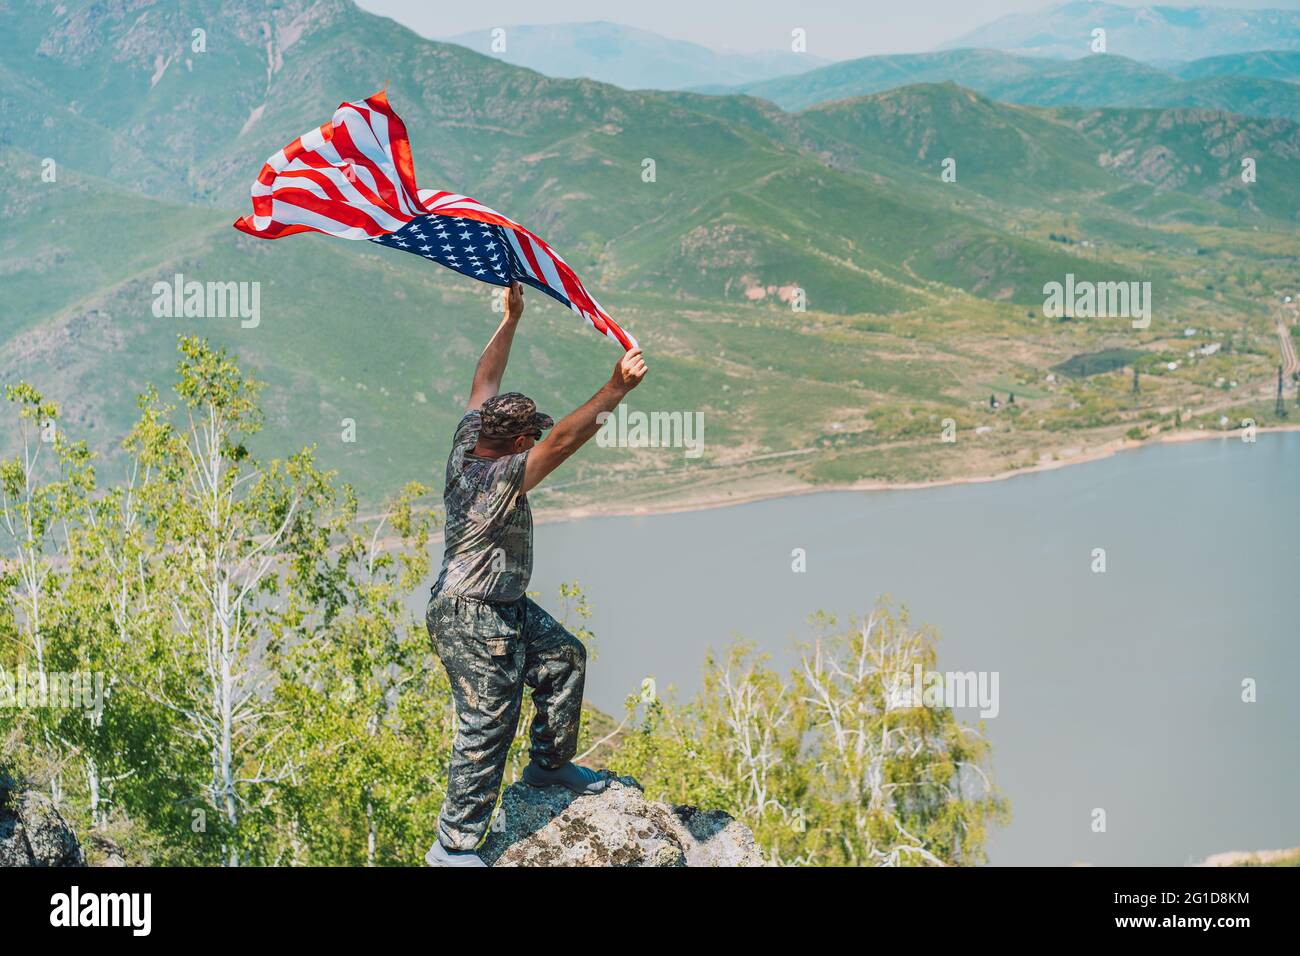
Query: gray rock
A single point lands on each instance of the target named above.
(549, 826)
(101, 851)
(32, 833)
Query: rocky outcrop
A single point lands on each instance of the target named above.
(535, 826)
(549, 826)
(32, 833)
(1289, 857)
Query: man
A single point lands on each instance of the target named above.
(491, 639)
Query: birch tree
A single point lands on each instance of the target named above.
(370, 714)
(113, 612)
(38, 488)
(823, 765)
(906, 782)
(29, 514)
(228, 530)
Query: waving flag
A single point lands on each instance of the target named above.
(353, 178)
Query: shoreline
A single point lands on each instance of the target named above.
(1100, 452)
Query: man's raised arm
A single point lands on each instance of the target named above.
(575, 428)
(492, 363)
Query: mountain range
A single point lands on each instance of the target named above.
(1152, 34)
(629, 57)
(635, 58)
(1262, 83)
(923, 294)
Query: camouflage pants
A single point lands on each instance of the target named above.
(491, 652)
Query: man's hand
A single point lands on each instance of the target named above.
(575, 428)
(629, 371)
(513, 300)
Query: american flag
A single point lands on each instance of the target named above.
(354, 178)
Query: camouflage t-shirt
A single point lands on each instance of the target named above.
(489, 530)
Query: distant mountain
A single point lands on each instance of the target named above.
(1142, 33)
(1235, 84)
(631, 58)
(1258, 64)
(981, 70)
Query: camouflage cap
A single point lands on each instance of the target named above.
(510, 414)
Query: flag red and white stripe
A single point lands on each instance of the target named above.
(354, 178)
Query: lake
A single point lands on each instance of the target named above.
(1118, 690)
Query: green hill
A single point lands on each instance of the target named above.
(922, 295)
(1261, 64)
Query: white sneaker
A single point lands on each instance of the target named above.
(439, 855)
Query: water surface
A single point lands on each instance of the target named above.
(1119, 691)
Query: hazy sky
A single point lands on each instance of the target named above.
(838, 29)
